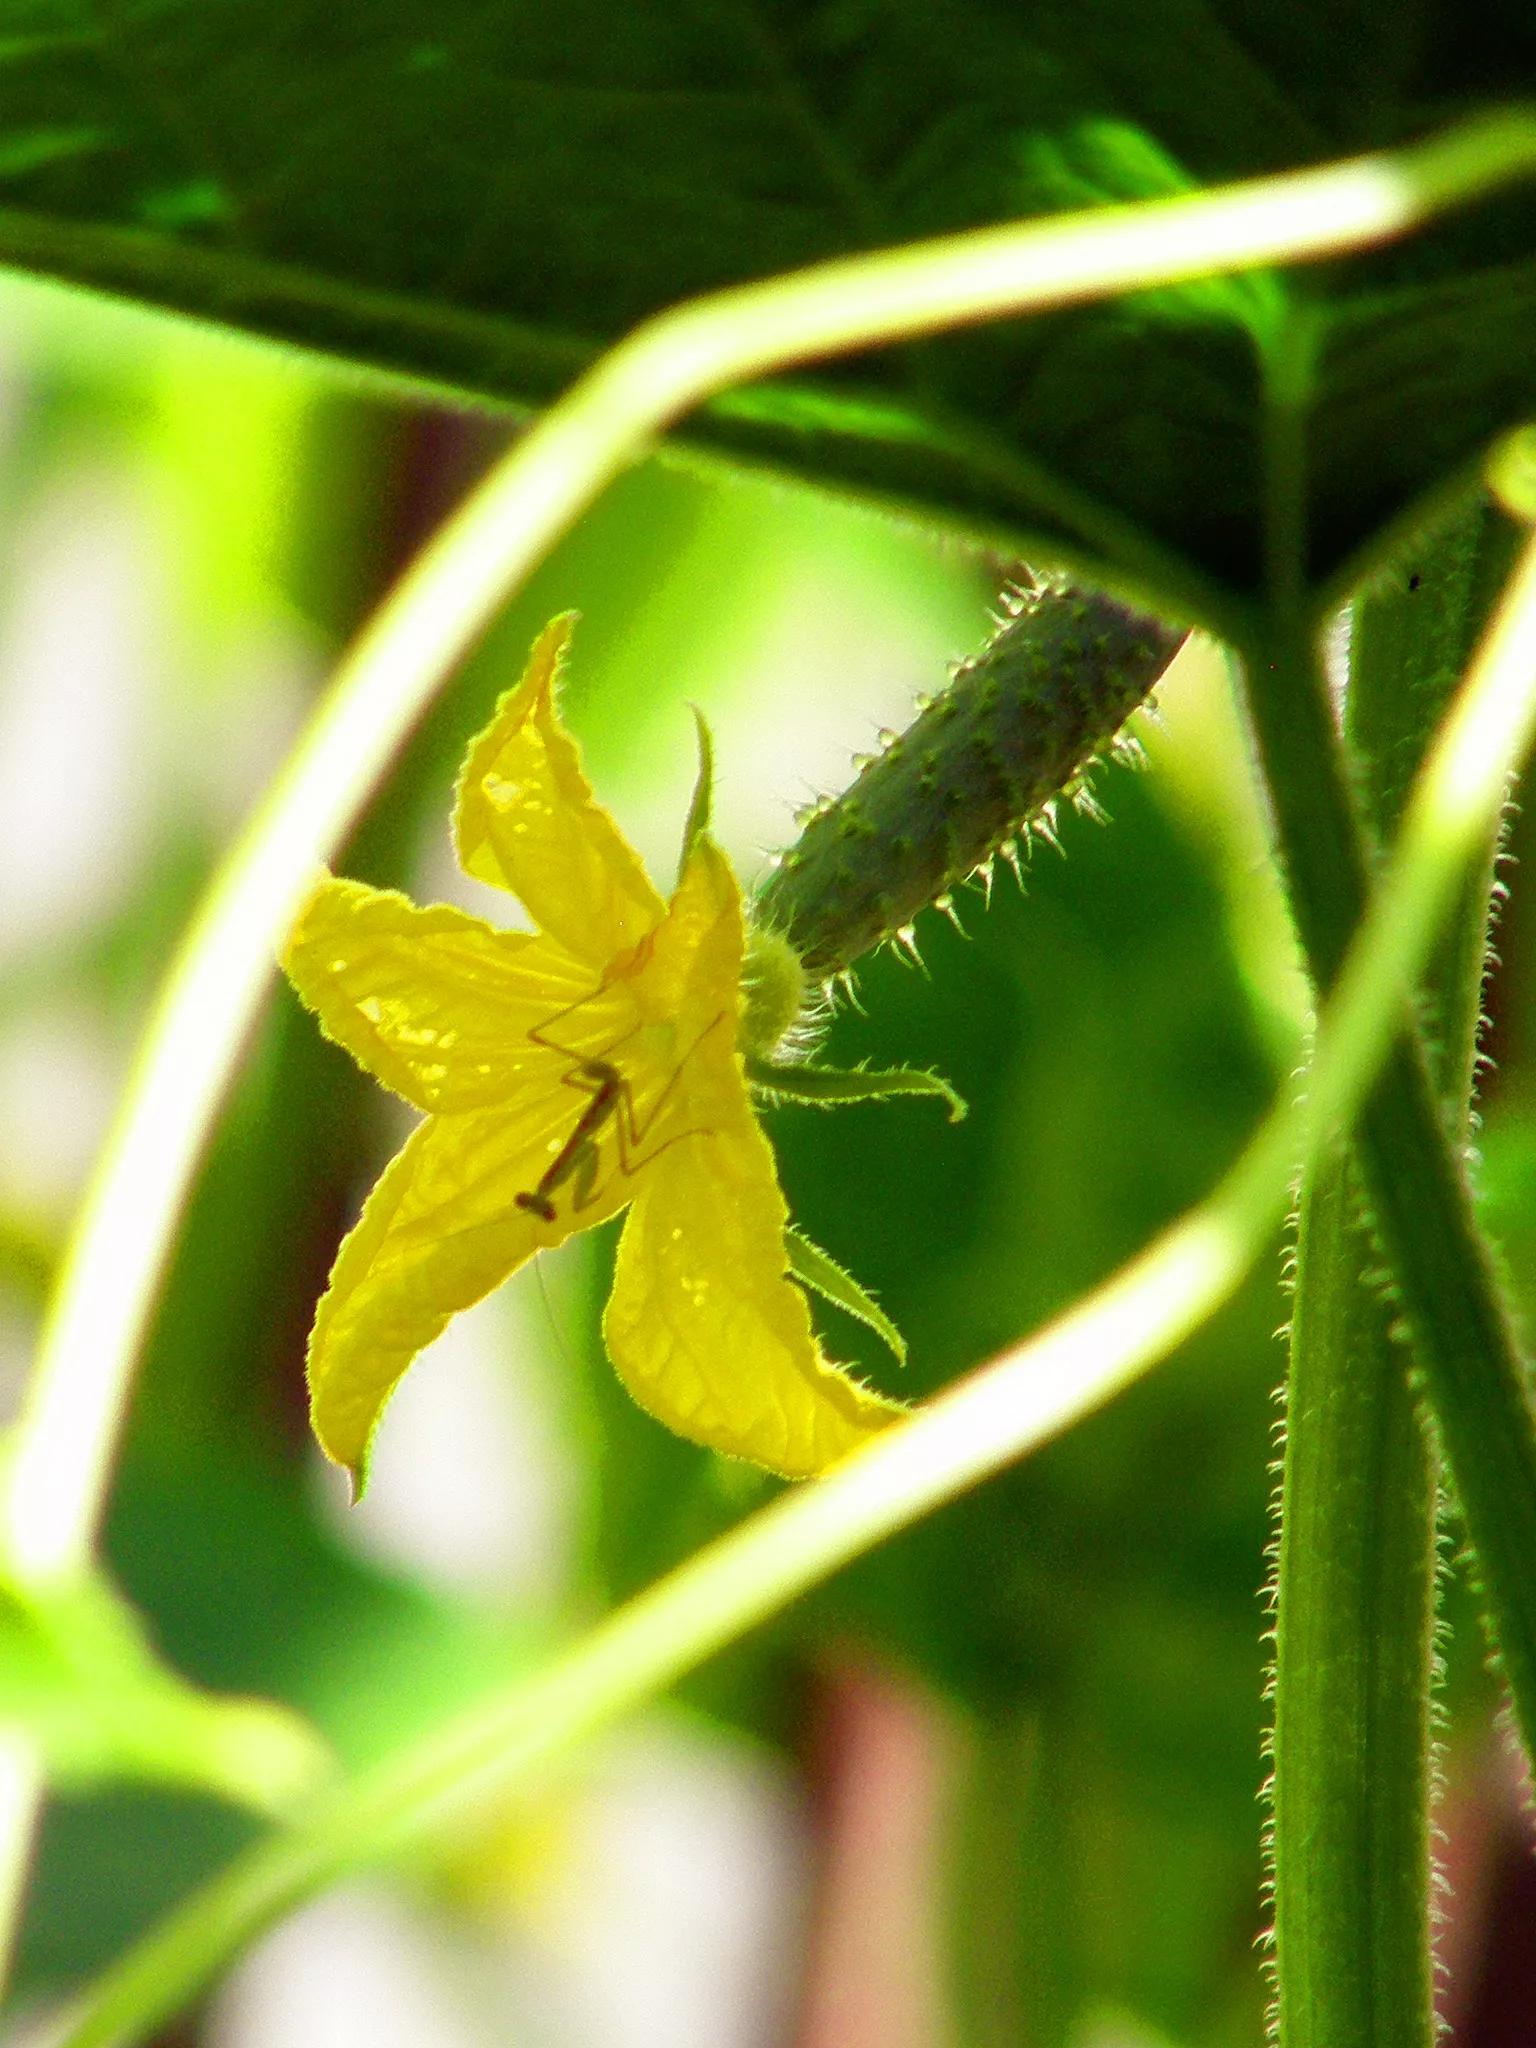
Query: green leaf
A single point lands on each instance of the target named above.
(484, 201)
(831, 1087)
(77, 1673)
(818, 1270)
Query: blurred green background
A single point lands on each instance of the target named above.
(999, 1783)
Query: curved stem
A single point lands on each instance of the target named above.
(1028, 1395)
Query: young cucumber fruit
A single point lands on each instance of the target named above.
(982, 767)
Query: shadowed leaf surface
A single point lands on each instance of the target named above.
(485, 197)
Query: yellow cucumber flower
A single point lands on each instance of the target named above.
(565, 1075)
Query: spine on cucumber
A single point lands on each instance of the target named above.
(980, 769)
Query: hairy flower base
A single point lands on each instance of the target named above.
(566, 1075)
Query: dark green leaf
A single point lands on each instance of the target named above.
(484, 197)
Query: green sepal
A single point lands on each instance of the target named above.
(829, 1087)
(819, 1271)
(703, 788)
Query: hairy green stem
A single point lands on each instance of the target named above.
(1023, 1398)
(1442, 1278)
(1356, 1579)
(1355, 1601)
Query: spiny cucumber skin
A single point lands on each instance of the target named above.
(1018, 725)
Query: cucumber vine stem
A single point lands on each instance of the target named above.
(1349, 1828)
(1442, 1278)
(1350, 1834)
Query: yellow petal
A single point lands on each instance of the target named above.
(706, 1331)
(691, 969)
(439, 1231)
(526, 819)
(438, 1005)
(703, 1326)
(685, 987)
